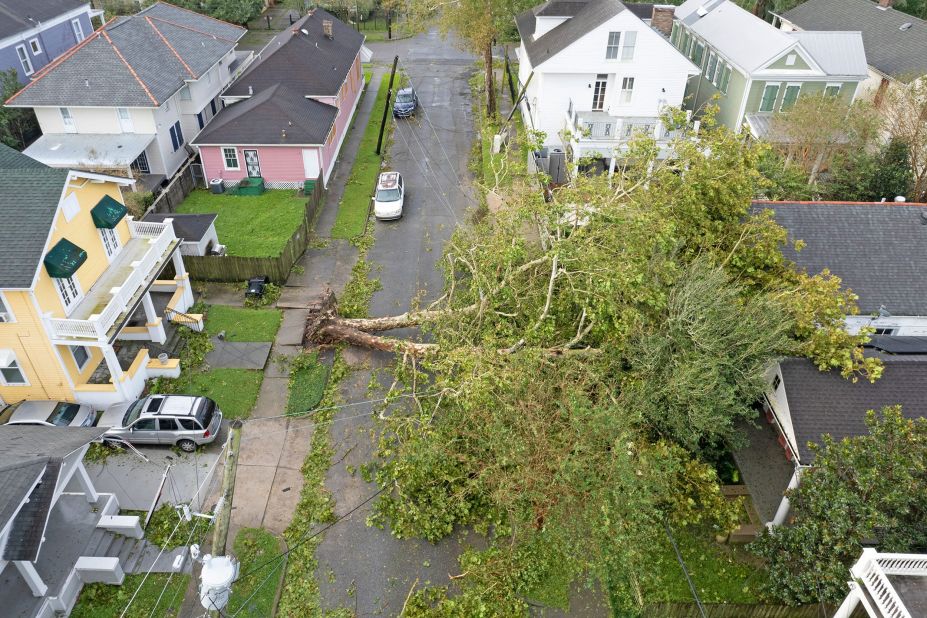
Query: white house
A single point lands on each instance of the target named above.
(133, 94)
(596, 73)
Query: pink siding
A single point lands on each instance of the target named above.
(285, 163)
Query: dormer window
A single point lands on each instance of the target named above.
(621, 46)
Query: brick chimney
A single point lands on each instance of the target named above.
(327, 29)
(887, 4)
(662, 19)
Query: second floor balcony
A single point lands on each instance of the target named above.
(600, 126)
(107, 305)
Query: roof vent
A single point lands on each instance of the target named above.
(901, 198)
(905, 26)
(304, 31)
(283, 133)
(250, 90)
(702, 11)
(327, 25)
(924, 217)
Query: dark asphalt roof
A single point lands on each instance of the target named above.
(826, 403)
(766, 472)
(29, 196)
(901, 54)
(189, 227)
(642, 10)
(891, 344)
(873, 248)
(19, 15)
(589, 16)
(135, 61)
(28, 453)
(308, 64)
(274, 116)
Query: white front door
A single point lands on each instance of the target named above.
(311, 163)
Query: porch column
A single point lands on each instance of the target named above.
(152, 322)
(183, 282)
(33, 580)
(849, 604)
(179, 268)
(150, 315)
(90, 492)
(115, 369)
(783, 511)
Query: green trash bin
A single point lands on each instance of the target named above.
(309, 187)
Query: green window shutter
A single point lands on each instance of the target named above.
(770, 93)
(108, 213)
(64, 259)
(712, 63)
(790, 96)
(725, 78)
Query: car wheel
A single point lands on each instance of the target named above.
(187, 446)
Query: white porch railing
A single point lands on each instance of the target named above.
(600, 126)
(870, 572)
(160, 236)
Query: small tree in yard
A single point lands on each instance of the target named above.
(864, 488)
(16, 123)
(862, 176)
(906, 112)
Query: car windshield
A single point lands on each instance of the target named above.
(404, 97)
(133, 412)
(63, 414)
(387, 195)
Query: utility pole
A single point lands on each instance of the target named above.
(389, 94)
(222, 519)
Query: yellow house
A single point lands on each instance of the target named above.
(76, 273)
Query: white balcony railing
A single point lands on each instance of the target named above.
(600, 126)
(153, 239)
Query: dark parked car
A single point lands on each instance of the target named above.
(405, 104)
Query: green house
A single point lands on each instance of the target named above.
(752, 70)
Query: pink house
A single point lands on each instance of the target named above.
(285, 118)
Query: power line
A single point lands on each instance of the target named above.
(171, 576)
(256, 590)
(685, 571)
(346, 405)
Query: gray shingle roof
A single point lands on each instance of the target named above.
(874, 248)
(25, 537)
(901, 54)
(135, 61)
(825, 403)
(19, 443)
(276, 115)
(593, 13)
(16, 481)
(19, 15)
(29, 196)
(189, 227)
(308, 64)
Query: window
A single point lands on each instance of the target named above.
(67, 119)
(627, 46)
(78, 30)
(790, 60)
(776, 382)
(698, 54)
(832, 90)
(199, 119)
(674, 35)
(81, 356)
(125, 120)
(231, 158)
(598, 94)
(790, 96)
(10, 372)
(24, 59)
(145, 424)
(5, 314)
(176, 136)
(883, 331)
(185, 93)
(711, 66)
(69, 290)
(724, 79)
(167, 424)
(627, 89)
(212, 106)
(614, 42)
(770, 94)
(35, 47)
(188, 424)
(110, 241)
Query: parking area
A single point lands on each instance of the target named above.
(191, 477)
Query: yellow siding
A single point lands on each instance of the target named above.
(79, 377)
(81, 231)
(35, 354)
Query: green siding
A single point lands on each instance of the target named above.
(700, 93)
(816, 88)
(800, 64)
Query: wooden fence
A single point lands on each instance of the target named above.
(734, 610)
(233, 268)
(188, 177)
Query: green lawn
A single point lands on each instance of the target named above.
(251, 226)
(355, 204)
(254, 547)
(242, 324)
(307, 384)
(234, 390)
(97, 600)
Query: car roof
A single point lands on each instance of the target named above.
(406, 90)
(388, 180)
(33, 411)
(170, 405)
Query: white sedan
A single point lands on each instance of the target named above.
(391, 193)
(49, 414)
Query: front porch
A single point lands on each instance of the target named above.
(600, 135)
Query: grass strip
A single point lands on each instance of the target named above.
(307, 383)
(355, 203)
(243, 324)
(253, 597)
(97, 600)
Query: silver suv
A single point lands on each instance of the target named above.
(182, 420)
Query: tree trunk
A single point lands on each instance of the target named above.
(490, 89)
(759, 9)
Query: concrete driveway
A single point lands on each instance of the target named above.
(363, 568)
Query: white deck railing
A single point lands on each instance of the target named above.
(160, 236)
(869, 570)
